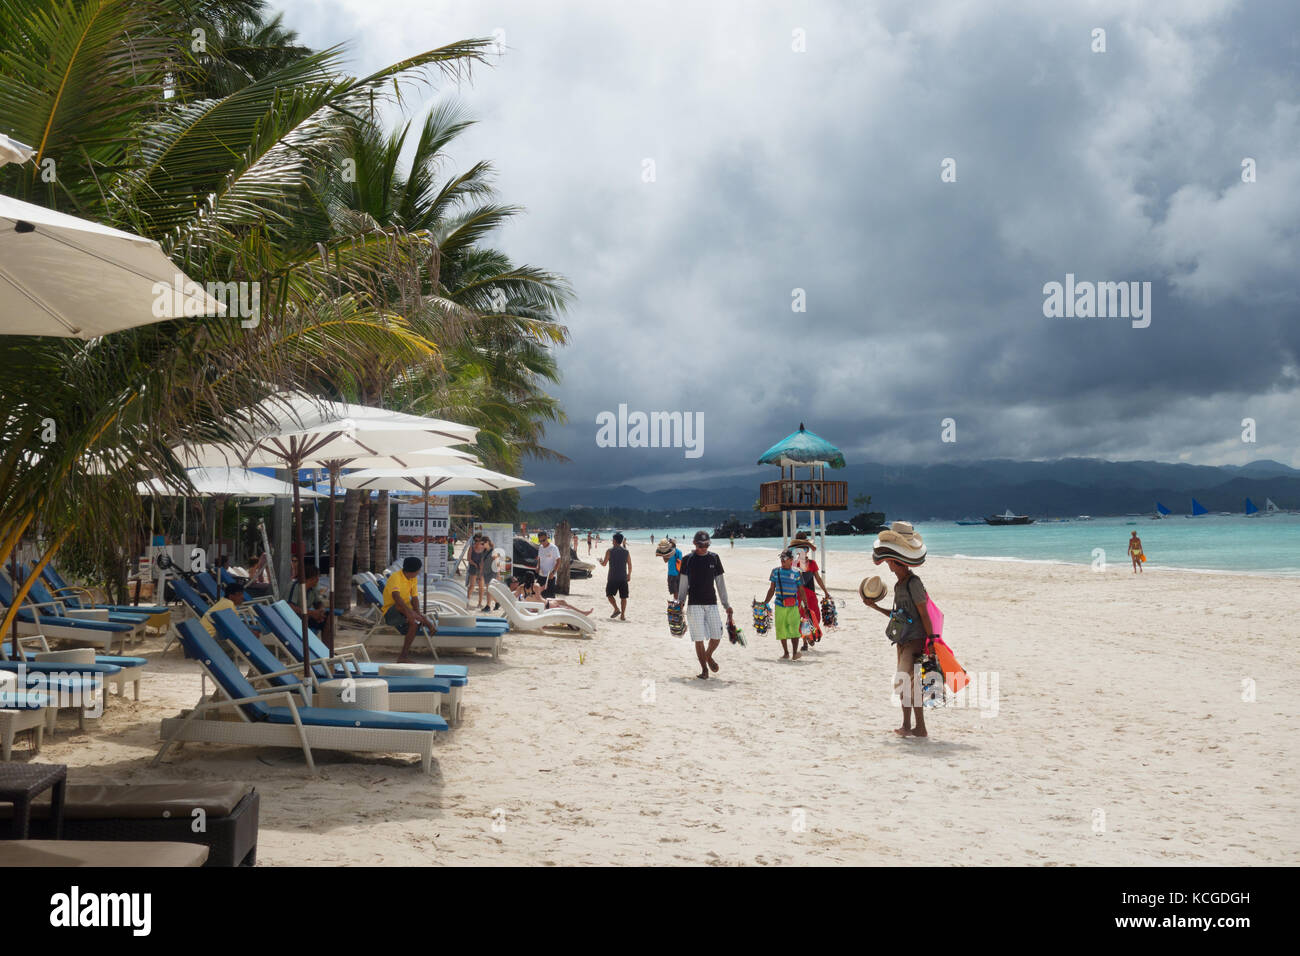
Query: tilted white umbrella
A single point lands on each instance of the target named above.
(12, 151)
(73, 278)
(225, 483)
(429, 480)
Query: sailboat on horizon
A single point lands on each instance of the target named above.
(1161, 512)
(1270, 508)
(1251, 510)
(1198, 510)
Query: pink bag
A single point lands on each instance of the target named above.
(935, 615)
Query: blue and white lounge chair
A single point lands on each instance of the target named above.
(290, 640)
(72, 597)
(32, 621)
(275, 719)
(65, 686)
(421, 695)
(42, 597)
(116, 669)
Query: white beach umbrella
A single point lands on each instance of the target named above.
(225, 483)
(73, 278)
(293, 430)
(429, 480)
(12, 151)
(222, 483)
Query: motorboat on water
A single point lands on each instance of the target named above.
(1008, 518)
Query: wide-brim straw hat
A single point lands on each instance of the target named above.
(666, 546)
(801, 540)
(872, 588)
(899, 542)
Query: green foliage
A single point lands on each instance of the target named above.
(229, 157)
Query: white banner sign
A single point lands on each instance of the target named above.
(413, 534)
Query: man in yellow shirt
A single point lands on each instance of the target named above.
(401, 594)
(234, 597)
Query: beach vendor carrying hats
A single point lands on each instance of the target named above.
(672, 555)
(902, 549)
(701, 582)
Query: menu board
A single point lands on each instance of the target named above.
(413, 534)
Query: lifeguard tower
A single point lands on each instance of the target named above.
(793, 494)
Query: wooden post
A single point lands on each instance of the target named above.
(563, 541)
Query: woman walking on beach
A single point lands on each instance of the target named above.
(701, 581)
(486, 573)
(909, 625)
(474, 571)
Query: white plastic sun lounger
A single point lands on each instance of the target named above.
(524, 619)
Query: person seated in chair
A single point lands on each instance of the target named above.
(317, 612)
(401, 594)
(234, 596)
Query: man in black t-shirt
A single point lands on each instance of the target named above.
(701, 581)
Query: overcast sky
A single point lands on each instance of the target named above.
(776, 169)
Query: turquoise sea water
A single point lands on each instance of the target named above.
(1209, 543)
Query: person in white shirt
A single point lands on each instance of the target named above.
(548, 556)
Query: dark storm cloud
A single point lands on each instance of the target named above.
(777, 170)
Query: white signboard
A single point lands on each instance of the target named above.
(502, 537)
(413, 534)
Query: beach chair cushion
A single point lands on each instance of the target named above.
(23, 700)
(108, 660)
(372, 719)
(208, 585)
(76, 687)
(61, 667)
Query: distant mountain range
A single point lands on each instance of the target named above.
(1062, 488)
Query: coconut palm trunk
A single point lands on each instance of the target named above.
(363, 535)
(347, 549)
(379, 545)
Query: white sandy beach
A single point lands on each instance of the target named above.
(1118, 695)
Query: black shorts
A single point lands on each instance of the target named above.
(395, 619)
(616, 587)
(549, 590)
(673, 580)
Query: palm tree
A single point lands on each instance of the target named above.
(227, 185)
(494, 322)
